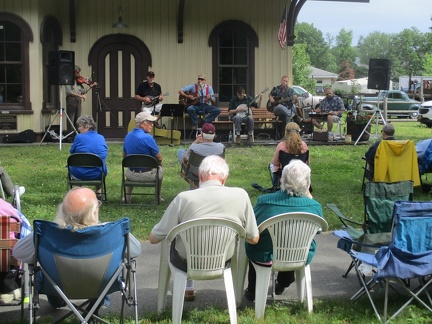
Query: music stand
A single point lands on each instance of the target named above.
(173, 110)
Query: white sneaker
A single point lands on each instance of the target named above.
(11, 297)
(21, 190)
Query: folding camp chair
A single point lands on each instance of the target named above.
(284, 158)
(407, 257)
(379, 199)
(292, 235)
(211, 248)
(10, 227)
(425, 163)
(86, 160)
(394, 161)
(88, 263)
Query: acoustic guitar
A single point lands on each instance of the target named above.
(270, 106)
(154, 100)
(186, 101)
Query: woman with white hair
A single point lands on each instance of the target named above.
(89, 141)
(294, 196)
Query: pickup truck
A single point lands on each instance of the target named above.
(396, 100)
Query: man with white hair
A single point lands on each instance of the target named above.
(211, 199)
(203, 146)
(79, 209)
(294, 196)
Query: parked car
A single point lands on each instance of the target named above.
(396, 101)
(425, 113)
(307, 98)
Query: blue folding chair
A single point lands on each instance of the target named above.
(88, 263)
(408, 256)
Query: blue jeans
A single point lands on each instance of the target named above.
(210, 113)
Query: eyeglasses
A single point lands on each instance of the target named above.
(201, 79)
(329, 94)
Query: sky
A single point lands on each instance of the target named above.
(387, 16)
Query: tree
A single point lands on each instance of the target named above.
(346, 72)
(317, 48)
(301, 68)
(427, 64)
(375, 45)
(343, 51)
(408, 50)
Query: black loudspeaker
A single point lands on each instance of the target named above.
(61, 67)
(379, 74)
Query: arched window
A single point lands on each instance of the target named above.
(233, 48)
(15, 36)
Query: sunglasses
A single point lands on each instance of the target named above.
(201, 79)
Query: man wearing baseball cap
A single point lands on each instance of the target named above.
(140, 141)
(149, 93)
(204, 146)
(199, 98)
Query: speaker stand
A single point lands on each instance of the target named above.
(59, 114)
(377, 113)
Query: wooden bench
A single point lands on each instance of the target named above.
(263, 119)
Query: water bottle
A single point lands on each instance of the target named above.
(142, 105)
(230, 136)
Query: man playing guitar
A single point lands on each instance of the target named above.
(150, 95)
(281, 100)
(201, 99)
(239, 106)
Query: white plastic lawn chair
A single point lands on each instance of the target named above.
(292, 235)
(209, 243)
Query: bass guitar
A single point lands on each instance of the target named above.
(196, 99)
(270, 106)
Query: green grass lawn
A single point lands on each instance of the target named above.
(336, 178)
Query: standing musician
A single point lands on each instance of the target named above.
(281, 101)
(239, 106)
(150, 95)
(199, 98)
(75, 94)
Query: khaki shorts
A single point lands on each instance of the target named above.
(149, 176)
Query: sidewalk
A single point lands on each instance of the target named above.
(327, 268)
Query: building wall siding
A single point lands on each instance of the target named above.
(155, 23)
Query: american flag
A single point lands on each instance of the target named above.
(282, 30)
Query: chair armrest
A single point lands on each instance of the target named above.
(342, 217)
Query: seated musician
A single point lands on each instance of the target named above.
(200, 99)
(149, 93)
(331, 105)
(239, 106)
(281, 101)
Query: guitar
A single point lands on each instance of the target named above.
(270, 106)
(186, 101)
(154, 100)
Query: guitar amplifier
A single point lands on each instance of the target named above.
(320, 136)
